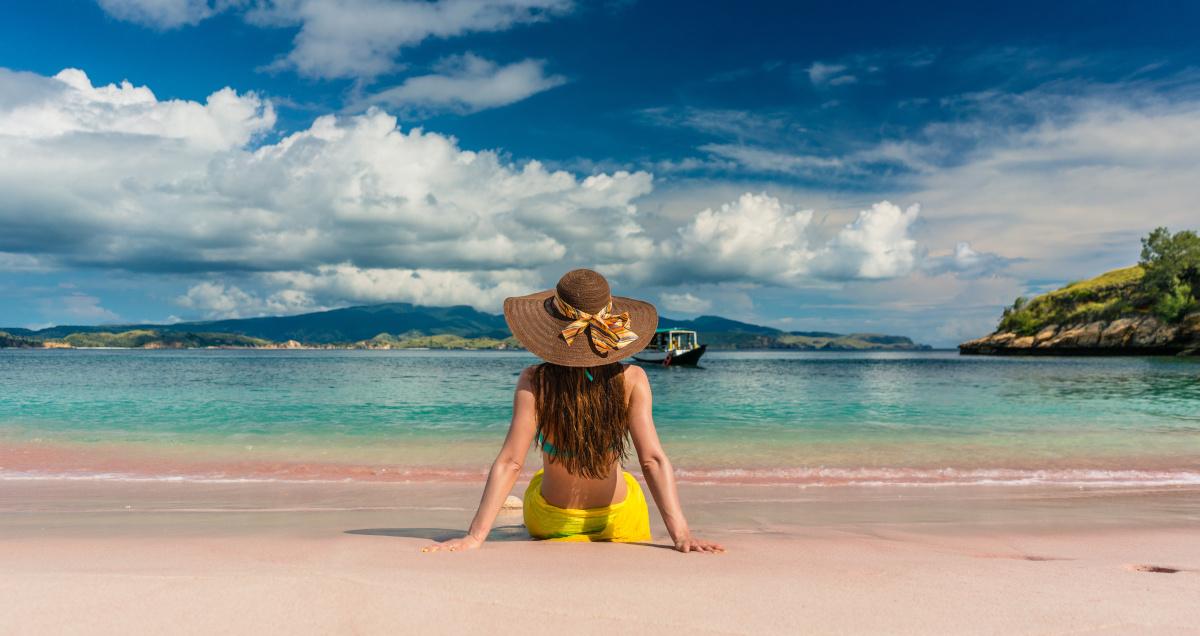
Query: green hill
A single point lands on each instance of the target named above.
(149, 338)
(8, 340)
(1105, 297)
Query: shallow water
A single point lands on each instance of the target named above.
(810, 418)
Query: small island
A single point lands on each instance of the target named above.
(1147, 309)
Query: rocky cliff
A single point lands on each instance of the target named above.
(1129, 335)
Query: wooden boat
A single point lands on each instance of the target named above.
(672, 347)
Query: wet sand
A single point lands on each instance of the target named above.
(468, 462)
(270, 557)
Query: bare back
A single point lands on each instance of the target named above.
(562, 489)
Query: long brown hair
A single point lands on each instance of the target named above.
(586, 420)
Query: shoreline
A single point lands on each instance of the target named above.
(1174, 351)
(39, 506)
(1129, 335)
(39, 459)
(804, 478)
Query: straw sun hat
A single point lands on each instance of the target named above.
(580, 323)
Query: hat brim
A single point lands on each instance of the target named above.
(538, 327)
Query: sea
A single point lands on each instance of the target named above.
(914, 419)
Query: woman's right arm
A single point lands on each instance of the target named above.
(504, 472)
(656, 467)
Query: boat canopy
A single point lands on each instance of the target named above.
(667, 339)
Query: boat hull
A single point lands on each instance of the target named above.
(665, 358)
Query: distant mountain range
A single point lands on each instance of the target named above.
(723, 333)
(392, 321)
(349, 324)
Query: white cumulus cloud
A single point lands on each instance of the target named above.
(876, 245)
(113, 177)
(481, 290)
(218, 300)
(759, 239)
(37, 107)
(99, 177)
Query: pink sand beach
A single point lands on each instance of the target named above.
(118, 556)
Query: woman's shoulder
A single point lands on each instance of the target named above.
(635, 373)
(525, 379)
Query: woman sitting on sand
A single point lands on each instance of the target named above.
(583, 407)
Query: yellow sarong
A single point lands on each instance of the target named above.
(626, 521)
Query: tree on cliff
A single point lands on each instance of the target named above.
(1172, 271)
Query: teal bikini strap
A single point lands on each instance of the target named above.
(546, 446)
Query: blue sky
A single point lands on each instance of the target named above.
(839, 166)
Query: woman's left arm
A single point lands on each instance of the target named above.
(505, 470)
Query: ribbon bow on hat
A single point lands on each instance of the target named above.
(608, 331)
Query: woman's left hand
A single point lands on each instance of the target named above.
(692, 544)
(454, 545)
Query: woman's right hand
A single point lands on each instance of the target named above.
(694, 544)
(454, 545)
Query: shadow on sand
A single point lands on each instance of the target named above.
(499, 533)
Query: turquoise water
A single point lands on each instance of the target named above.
(920, 417)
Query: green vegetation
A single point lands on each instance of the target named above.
(1104, 297)
(417, 340)
(17, 342)
(157, 339)
(1172, 264)
(135, 338)
(1164, 282)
